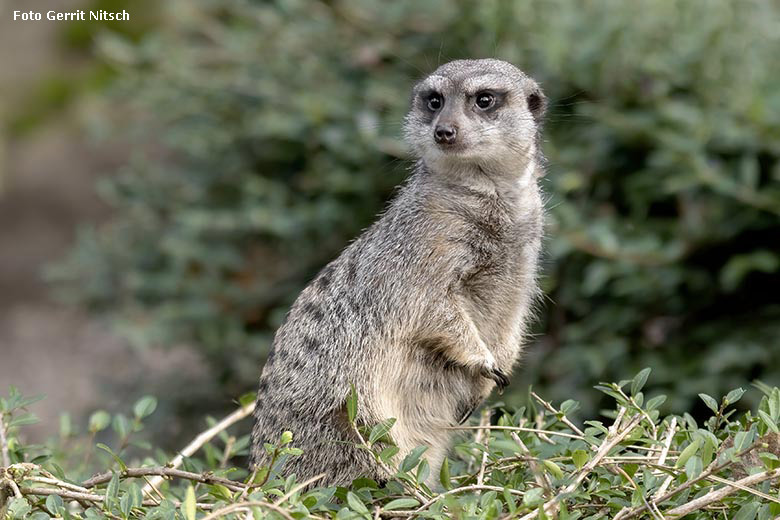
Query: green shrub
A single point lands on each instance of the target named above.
(533, 463)
(281, 124)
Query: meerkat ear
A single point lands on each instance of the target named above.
(537, 103)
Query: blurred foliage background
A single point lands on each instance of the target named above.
(270, 137)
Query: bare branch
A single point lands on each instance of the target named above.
(463, 489)
(613, 438)
(88, 497)
(200, 440)
(244, 506)
(565, 420)
(4, 453)
(518, 429)
(539, 475)
(711, 470)
(163, 472)
(719, 494)
(485, 442)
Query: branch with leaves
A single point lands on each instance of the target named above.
(526, 464)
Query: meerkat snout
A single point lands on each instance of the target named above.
(446, 134)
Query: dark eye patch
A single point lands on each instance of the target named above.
(429, 97)
(498, 99)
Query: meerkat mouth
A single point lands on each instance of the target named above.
(452, 148)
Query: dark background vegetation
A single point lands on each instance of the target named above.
(258, 138)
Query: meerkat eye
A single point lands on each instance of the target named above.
(485, 100)
(435, 102)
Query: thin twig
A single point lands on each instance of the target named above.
(241, 506)
(154, 488)
(227, 451)
(163, 472)
(486, 441)
(6, 457)
(719, 494)
(712, 469)
(199, 441)
(58, 483)
(744, 488)
(642, 411)
(662, 459)
(464, 489)
(626, 476)
(89, 497)
(298, 488)
(614, 437)
(539, 475)
(10, 483)
(484, 425)
(565, 420)
(390, 473)
(518, 429)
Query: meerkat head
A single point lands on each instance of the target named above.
(484, 113)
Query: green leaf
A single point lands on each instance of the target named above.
(580, 458)
(112, 491)
(188, 507)
(568, 406)
(380, 430)
(639, 381)
(66, 425)
(655, 402)
(747, 511)
(735, 395)
(711, 403)
(388, 453)
(693, 467)
(770, 460)
(401, 503)
(423, 471)
(774, 404)
(116, 458)
(553, 468)
(533, 497)
(19, 507)
(743, 440)
(410, 461)
(121, 425)
(99, 421)
(136, 498)
(247, 399)
(55, 505)
(688, 452)
(221, 492)
(768, 421)
(286, 438)
(444, 474)
(352, 403)
(22, 420)
(145, 406)
(355, 503)
(599, 426)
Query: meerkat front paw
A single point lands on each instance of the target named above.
(489, 370)
(496, 374)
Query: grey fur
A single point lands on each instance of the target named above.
(427, 310)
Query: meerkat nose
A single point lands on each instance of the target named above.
(445, 134)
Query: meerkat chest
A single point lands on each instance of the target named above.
(502, 241)
(502, 281)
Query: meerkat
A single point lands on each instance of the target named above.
(426, 312)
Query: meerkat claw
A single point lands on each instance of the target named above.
(500, 378)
